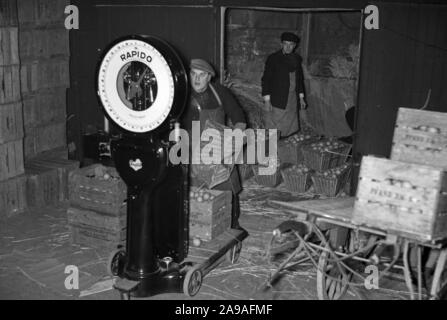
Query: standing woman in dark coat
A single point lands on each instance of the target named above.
(283, 87)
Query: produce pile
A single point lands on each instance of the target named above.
(298, 138)
(102, 173)
(330, 145)
(333, 173)
(201, 196)
(297, 169)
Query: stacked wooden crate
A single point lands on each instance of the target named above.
(47, 179)
(12, 180)
(210, 213)
(44, 73)
(97, 212)
(407, 194)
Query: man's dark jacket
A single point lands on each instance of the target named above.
(276, 82)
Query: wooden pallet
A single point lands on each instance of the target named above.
(420, 137)
(401, 198)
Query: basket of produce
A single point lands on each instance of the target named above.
(290, 148)
(267, 176)
(331, 181)
(297, 178)
(326, 154)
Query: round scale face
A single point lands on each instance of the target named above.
(136, 86)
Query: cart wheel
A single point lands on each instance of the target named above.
(331, 284)
(192, 281)
(115, 263)
(234, 253)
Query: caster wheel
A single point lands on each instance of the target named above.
(192, 281)
(331, 283)
(115, 263)
(233, 254)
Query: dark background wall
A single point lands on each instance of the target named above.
(191, 29)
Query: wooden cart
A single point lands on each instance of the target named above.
(340, 250)
(199, 262)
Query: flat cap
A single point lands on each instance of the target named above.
(201, 64)
(289, 36)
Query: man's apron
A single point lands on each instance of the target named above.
(217, 115)
(285, 120)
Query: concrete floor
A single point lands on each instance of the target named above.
(35, 249)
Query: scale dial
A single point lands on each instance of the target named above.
(140, 80)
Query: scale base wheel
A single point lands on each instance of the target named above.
(115, 263)
(192, 281)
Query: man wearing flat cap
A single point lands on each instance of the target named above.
(283, 87)
(214, 102)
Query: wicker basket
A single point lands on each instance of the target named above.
(267, 180)
(296, 181)
(289, 152)
(323, 160)
(330, 186)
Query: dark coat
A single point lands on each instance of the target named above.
(276, 82)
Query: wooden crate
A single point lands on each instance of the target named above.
(96, 238)
(63, 167)
(9, 47)
(10, 84)
(208, 219)
(420, 137)
(89, 190)
(11, 159)
(12, 196)
(42, 185)
(83, 218)
(403, 198)
(11, 122)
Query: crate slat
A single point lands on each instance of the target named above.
(402, 197)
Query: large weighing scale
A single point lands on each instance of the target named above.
(143, 87)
